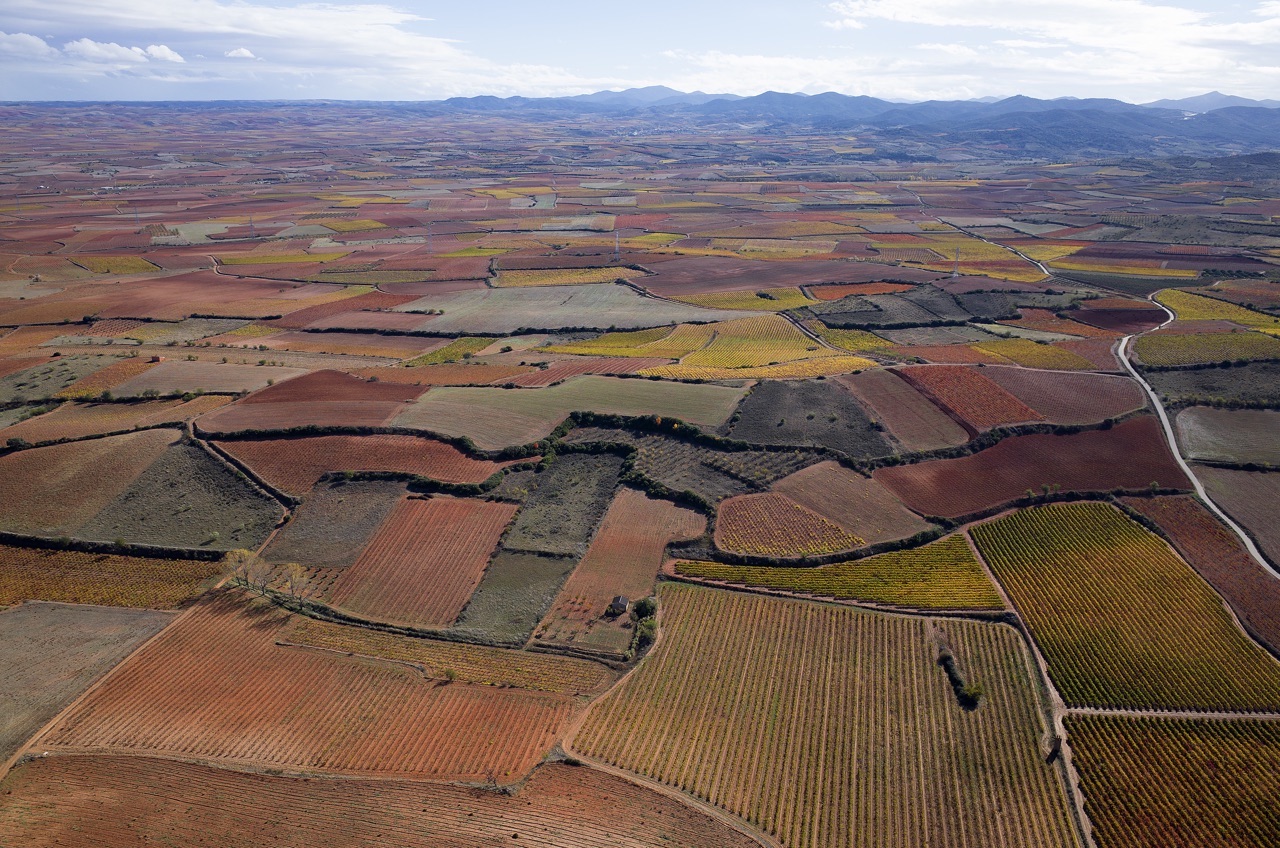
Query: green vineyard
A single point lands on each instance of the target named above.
(1121, 619)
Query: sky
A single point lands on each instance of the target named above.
(902, 50)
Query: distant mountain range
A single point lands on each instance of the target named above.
(1212, 123)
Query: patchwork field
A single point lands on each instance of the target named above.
(294, 465)
(1159, 782)
(564, 504)
(424, 562)
(78, 420)
(53, 652)
(943, 575)
(216, 686)
(58, 488)
(913, 419)
(1131, 455)
(623, 559)
(1070, 398)
(495, 418)
(969, 396)
(1122, 621)
(771, 524)
(1218, 556)
(858, 504)
(175, 378)
(60, 799)
(878, 748)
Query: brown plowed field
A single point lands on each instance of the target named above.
(1065, 397)
(60, 801)
(561, 371)
(1123, 321)
(1216, 553)
(333, 386)
(294, 465)
(836, 291)
(393, 321)
(771, 524)
(370, 302)
(424, 562)
(216, 685)
(453, 374)
(858, 504)
(1250, 497)
(62, 486)
(969, 395)
(623, 559)
(1047, 321)
(913, 419)
(1131, 455)
(77, 420)
(286, 415)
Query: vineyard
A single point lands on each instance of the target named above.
(1216, 553)
(829, 726)
(943, 575)
(479, 664)
(1046, 321)
(563, 276)
(60, 801)
(452, 352)
(765, 300)
(1123, 621)
(858, 504)
(659, 342)
(1204, 348)
(1031, 354)
(755, 342)
(424, 562)
(771, 524)
(912, 418)
(1194, 307)
(216, 685)
(105, 379)
(1161, 783)
(115, 264)
(971, 396)
(826, 366)
(74, 577)
(77, 420)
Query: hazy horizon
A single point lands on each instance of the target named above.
(407, 50)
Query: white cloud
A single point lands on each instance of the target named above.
(25, 46)
(240, 53)
(105, 52)
(164, 54)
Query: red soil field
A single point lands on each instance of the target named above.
(417, 290)
(16, 364)
(77, 420)
(969, 395)
(349, 344)
(1216, 553)
(838, 290)
(59, 800)
(452, 374)
(1048, 321)
(216, 685)
(370, 302)
(1098, 351)
(62, 486)
(561, 371)
(1250, 497)
(294, 465)
(913, 419)
(333, 386)
(1065, 397)
(1131, 455)
(286, 415)
(424, 562)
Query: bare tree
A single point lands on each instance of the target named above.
(296, 581)
(260, 575)
(238, 564)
